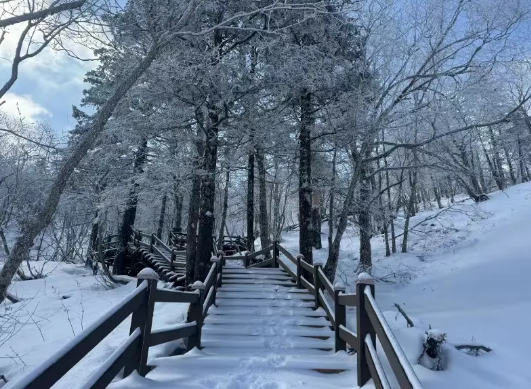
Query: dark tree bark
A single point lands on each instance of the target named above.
(178, 204)
(264, 220)
(305, 179)
(250, 201)
(162, 216)
(193, 215)
(129, 216)
(331, 205)
(208, 196)
(364, 220)
(225, 208)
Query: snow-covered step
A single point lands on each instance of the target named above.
(258, 277)
(224, 302)
(201, 361)
(266, 311)
(231, 270)
(233, 281)
(266, 320)
(266, 342)
(249, 352)
(266, 330)
(263, 295)
(263, 288)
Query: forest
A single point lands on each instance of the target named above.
(251, 118)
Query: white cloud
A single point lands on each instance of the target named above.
(23, 105)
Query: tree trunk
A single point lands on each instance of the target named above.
(364, 220)
(331, 210)
(128, 219)
(178, 204)
(225, 207)
(193, 214)
(4, 242)
(161, 217)
(207, 197)
(409, 211)
(42, 217)
(316, 220)
(333, 251)
(510, 165)
(250, 201)
(305, 179)
(264, 221)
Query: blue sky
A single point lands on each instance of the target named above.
(47, 87)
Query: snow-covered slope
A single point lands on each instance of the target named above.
(466, 273)
(57, 308)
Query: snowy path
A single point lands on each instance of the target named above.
(263, 334)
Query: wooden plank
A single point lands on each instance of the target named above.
(265, 263)
(287, 254)
(326, 283)
(161, 255)
(349, 337)
(104, 375)
(307, 285)
(55, 367)
(287, 269)
(179, 332)
(375, 366)
(261, 252)
(406, 380)
(170, 296)
(328, 310)
(158, 241)
(211, 277)
(350, 300)
(209, 300)
(235, 257)
(306, 266)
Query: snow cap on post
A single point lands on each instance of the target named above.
(198, 285)
(215, 259)
(318, 262)
(147, 274)
(365, 278)
(339, 285)
(300, 256)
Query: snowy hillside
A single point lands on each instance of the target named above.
(59, 307)
(467, 274)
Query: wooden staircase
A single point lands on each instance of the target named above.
(261, 314)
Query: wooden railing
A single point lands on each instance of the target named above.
(249, 258)
(133, 353)
(370, 322)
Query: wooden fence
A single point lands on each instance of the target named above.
(370, 322)
(133, 353)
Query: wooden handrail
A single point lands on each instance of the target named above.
(306, 266)
(287, 254)
(326, 283)
(404, 373)
(261, 252)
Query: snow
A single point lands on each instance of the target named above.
(365, 277)
(198, 285)
(467, 274)
(46, 322)
(147, 274)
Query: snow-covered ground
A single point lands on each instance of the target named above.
(466, 273)
(57, 308)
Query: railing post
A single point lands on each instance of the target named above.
(217, 262)
(152, 243)
(195, 313)
(299, 270)
(364, 326)
(143, 318)
(220, 270)
(316, 281)
(173, 255)
(340, 312)
(246, 259)
(275, 254)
